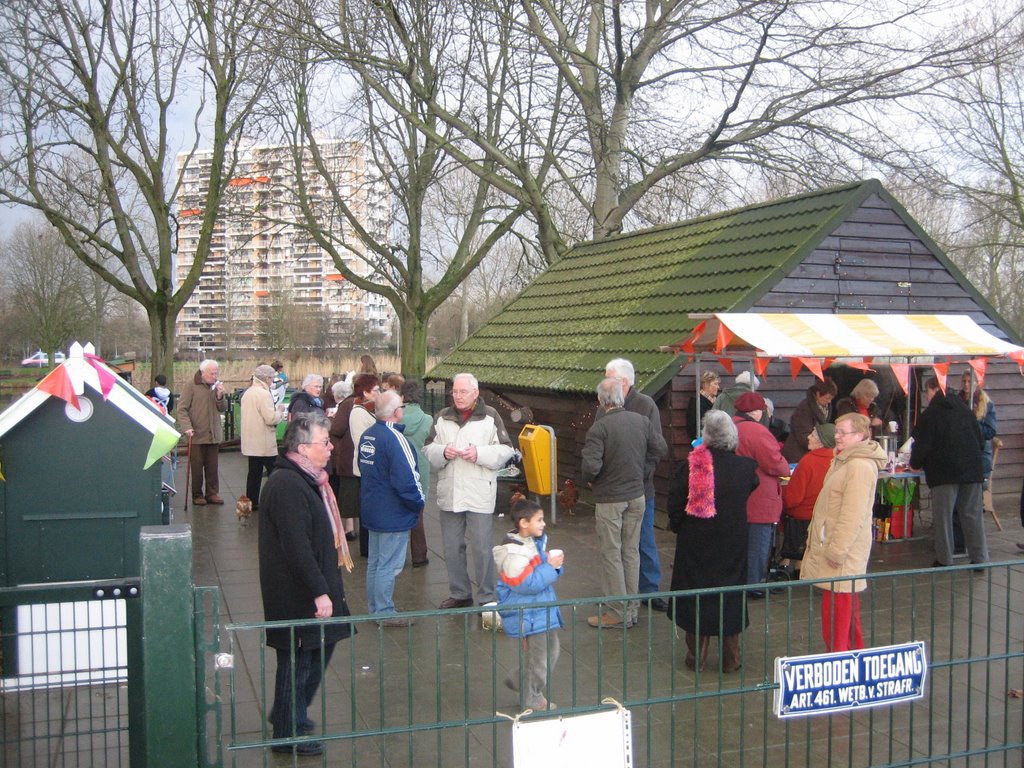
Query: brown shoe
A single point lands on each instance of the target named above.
(604, 620)
(198, 501)
(396, 621)
(213, 498)
(455, 602)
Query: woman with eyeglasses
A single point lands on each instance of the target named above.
(839, 538)
(309, 399)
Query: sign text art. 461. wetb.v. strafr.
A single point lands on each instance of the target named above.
(833, 682)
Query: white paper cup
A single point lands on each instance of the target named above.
(893, 426)
(555, 553)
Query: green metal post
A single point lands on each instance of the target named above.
(161, 682)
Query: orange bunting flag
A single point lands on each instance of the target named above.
(941, 371)
(794, 366)
(813, 365)
(687, 346)
(902, 373)
(58, 384)
(979, 365)
(862, 366)
(761, 366)
(827, 363)
(726, 363)
(723, 339)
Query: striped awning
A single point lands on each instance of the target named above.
(847, 336)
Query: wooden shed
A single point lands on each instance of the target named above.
(849, 249)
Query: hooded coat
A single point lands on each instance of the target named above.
(765, 504)
(948, 443)
(526, 578)
(840, 529)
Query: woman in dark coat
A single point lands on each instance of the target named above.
(708, 512)
(309, 398)
(814, 410)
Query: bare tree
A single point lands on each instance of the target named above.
(611, 101)
(46, 287)
(968, 185)
(415, 266)
(96, 95)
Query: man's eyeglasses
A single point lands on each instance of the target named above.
(324, 443)
(461, 392)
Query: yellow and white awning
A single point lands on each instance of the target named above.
(847, 336)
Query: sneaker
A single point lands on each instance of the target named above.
(199, 501)
(213, 498)
(305, 748)
(456, 602)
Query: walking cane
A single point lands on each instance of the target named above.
(188, 471)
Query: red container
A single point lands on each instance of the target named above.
(901, 524)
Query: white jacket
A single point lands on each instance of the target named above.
(463, 486)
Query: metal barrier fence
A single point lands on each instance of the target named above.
(435, 693)
(63, 675)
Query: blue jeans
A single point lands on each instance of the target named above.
(387, 554)
(288, 716)
(759, 545)
(650, 563)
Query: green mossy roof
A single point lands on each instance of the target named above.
(629, 295)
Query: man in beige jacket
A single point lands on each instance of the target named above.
(259, 430)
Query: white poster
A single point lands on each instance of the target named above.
(595, 740)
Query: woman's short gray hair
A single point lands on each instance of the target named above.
(312, 378)
(720, 431)
(264, 372)
(300, 429)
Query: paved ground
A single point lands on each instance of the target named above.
(446, 669)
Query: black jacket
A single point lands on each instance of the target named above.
(948, 443)
(298, 560)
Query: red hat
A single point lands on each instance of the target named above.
(750, 401)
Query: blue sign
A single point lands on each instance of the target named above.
(833, 682)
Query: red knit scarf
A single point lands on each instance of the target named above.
(700, 501)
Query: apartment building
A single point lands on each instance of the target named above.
(267, 285)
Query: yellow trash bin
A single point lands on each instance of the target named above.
(535, 445)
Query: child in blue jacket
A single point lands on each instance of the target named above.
(526, 578)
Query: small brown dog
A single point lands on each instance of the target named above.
(243, 509)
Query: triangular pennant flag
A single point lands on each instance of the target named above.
(827, 363)
(102, 372)
(58, 384)
(902, 373)
(941, 371)
(761, 366)
(979, 365)
(726, 362)
(723, 339)
(794, 366)
(861, 366)
(687, 345)
(813, 365)
(163, 441)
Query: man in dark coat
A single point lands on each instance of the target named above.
(618, 449)
(948, 446)
(638, 402)
(300, 577)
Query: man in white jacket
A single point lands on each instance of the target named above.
(467, 446)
